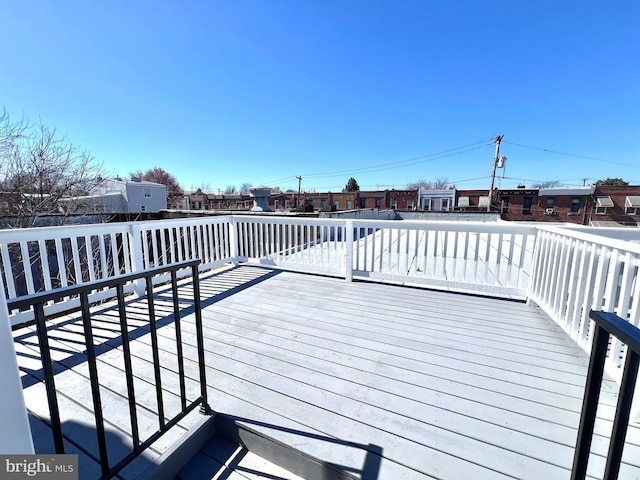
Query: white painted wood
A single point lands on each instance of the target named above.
(15, 433)
(450, 386)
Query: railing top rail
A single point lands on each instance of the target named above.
(289, 220)
(498, 227)
(146, 224)
(474, 226)
(26, 301)
(34, 234)
(627, 333)
(593, 237)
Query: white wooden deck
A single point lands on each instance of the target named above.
(387, 382)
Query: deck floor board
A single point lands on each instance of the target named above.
(443, 385)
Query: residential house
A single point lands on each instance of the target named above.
(403, 199)
(436, 200)
(615, 206)
(114, 195)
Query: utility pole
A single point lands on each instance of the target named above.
(299, 187)
(493, 172)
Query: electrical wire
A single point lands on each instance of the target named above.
(570, 154)
(397, 164)
(403, 163)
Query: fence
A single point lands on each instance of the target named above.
(41, 259)
(574, 272)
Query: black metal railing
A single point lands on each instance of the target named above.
(607, 324)
(37, 302)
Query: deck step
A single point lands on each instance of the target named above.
(221, 458)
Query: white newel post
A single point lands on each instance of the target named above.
(15, 433)
(233, 237)
(137, 254)
(348, 257)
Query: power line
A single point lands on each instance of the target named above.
(571, 154)
(397, 164)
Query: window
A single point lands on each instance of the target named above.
(246, 204)
(276, 204)
(394, 204)
(147, 193)
(323, 204)
(287, 204)
(410, 204)
(505, 204)
(483, 202)
(602, 203)
(363, 203)
(551, 202)
(378, 202)
(463, 203)
(349, 204)
(336, 204)
(445, 204)
(575, 205)
(526, 205)
(143, 208)
(426, 204)
(631, 205)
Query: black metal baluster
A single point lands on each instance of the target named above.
(204, 407)
(621, 420)
(126, 351)
(95, 385)
(176, 317)
(49, 382)
(590, 402)
(155, 350)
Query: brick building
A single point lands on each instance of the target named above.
(472, 201)
(403, 199)
(613, 205)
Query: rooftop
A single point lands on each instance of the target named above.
(432, 384)
(334, 348)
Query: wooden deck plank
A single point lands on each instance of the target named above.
(365, 363)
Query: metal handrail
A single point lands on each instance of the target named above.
(37, 302)
(607, 324)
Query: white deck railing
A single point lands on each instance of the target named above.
(38, 259)
(575, 272)
(566, 271)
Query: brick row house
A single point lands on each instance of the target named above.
(601, 205)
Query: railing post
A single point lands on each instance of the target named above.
(233, 239)
(137, 254)
(348, 258)
(590, 403)
(535, 260)
(13, 414)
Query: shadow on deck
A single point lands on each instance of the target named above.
(339, 380)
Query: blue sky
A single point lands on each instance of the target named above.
(259, 91)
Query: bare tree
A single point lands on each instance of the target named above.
(439, 184)
(420, 184)
(160, 175)
(42, 169)
(230, 190)
(244, 188)
(547, 184)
